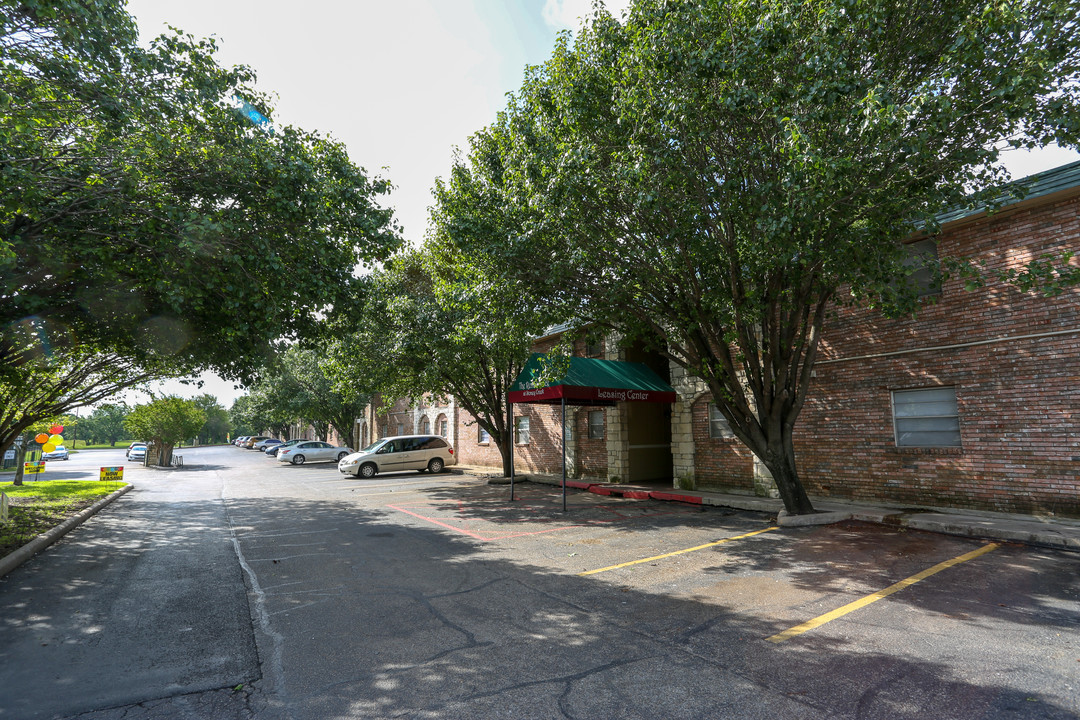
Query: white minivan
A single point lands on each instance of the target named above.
(404, 452)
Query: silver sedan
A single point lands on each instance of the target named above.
(312, 451)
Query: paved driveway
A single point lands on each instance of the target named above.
(413, 595)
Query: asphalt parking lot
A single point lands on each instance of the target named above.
(418, 595)
(993, 609)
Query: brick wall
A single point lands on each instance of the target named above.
(1018, 399)
(720, 463)
(468, 448)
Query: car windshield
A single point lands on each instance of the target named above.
(373, 446)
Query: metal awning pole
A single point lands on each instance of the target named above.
(510, 432)
(563, 454)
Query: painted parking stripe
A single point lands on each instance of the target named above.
(677, 552)
(874, 597)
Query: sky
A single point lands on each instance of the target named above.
(400, 82)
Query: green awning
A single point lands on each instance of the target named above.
(589, 381)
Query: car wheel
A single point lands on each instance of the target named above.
(298, 460)
(341, 455)
(436, 465)
(367, 470)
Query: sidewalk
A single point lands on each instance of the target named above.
(1061, 533)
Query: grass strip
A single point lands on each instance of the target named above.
(38, 506)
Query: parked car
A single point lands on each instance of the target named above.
(60, 453)
(312, 451)
(403, 452)
(263, 444)
(240, 440)
(137, 452)
(273, 450)
(250, 442)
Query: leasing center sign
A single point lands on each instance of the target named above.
(582, 395)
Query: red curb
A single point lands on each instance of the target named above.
(579, 484)
(692, 499)
(637, 494)
(600, 490)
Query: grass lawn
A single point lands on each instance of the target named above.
(37, 506)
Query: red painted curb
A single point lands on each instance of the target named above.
(600, 490)
(579, 484)
(692, 499)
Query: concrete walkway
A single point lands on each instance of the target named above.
(1061, 533)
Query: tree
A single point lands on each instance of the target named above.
(435, 324)
(301, 385)
(242, 417)
(716, 177)
(217, 425)
(106, 423)
(144, 216)
(42, 389)
(165, 422)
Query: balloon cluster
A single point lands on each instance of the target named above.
(50, 442)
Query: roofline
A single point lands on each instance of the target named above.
(1038, 186)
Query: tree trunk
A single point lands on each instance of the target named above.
(165, 455)
(779, 457)
(504, 449)
(20, 453)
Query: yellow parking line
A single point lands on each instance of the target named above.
(863, 602)
(677, 552)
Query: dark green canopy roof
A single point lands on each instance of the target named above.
(591, 382)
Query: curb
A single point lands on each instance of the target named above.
(17, 557)
(1018, 530)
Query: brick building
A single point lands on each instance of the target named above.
(973, 403)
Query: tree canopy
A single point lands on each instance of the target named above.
(165, 422)
(715, 177)
(440, 322)
(301, 384)
(144, 214)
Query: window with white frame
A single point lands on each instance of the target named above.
(482, 436)
(719, 427)
(401, 428)
(927, 417)
(425, 427)
(521, 430)
(444, 428)
(596, 424)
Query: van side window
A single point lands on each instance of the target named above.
(433, 443)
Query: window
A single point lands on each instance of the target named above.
(521, 430)
(482, 436)
(719, 427)
(922, 259)
(926, 417)
(432, 443)
(425, 426)
(596, 424)
(412, 444)
(444, 428)
(401, 428)
(594, 348)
